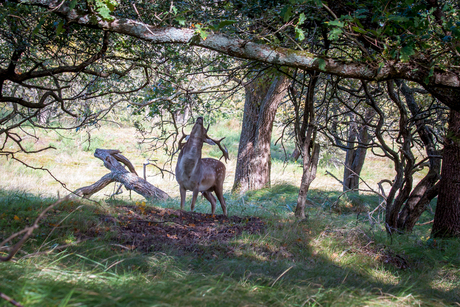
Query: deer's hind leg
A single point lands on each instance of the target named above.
(211, 199)
(220, 196)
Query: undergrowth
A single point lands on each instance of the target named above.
(333, 258)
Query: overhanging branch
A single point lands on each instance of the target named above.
(248, 50)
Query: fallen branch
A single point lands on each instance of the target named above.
(9, 300)
(129, 179)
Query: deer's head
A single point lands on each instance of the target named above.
(199, 135)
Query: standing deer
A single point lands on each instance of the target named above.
(200, 175)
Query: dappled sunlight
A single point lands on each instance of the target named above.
(259, 253)
(326, 259)
(380, 274)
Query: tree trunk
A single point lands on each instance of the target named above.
(310, 165)
(425, 190)
(447, 215)
(356, 155)
(306, 135)
(263, 96)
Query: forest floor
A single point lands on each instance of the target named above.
(149, 228)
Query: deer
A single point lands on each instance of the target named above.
(197, 174)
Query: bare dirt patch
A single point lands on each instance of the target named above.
(150, 229)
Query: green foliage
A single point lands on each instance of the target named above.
(201, 31)
(103, 8)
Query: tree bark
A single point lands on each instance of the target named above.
(129, 179)
(447, 215)
(310, 166)
(263, 96)
(306, 136)
(356, 155)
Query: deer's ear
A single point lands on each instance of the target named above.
(210, 142)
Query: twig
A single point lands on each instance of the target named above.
(282, 274)
(333, 176)
(380, 184)
(426, 223)
(363, 181)
(9, 300)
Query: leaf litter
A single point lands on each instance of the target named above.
(151, 229)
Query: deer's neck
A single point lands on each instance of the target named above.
(190, 157)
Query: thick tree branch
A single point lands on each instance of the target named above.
(129, 179)
(268, 54)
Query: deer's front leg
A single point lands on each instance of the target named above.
(194, 197)
(182, 197)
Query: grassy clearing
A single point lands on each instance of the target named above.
(334, 258)
(329, 259)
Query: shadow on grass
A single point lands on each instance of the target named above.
(326, 260)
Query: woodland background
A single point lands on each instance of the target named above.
(342, 124)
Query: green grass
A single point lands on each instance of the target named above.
(328, 260)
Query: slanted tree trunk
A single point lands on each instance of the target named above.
(309, 149)
(426, 189)
(263, 96)
(403, 158)
(447, 215)
(129, 179)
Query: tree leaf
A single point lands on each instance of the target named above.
(174, 9)
(336, 23)
(321, 63)
(225, 23)
(104, 12)
(60, 28)
(302, 19)
(111, 4)
(286, 13)
(181, 20)
(398, 18)
(104, 8)
(335, 33)
(201, 31)
(73, 4)
(359, 30)
(299, 34)
(406, 52)
(41, 22)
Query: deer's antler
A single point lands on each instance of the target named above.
(180, 141)
(180, 145)
(223, 149)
